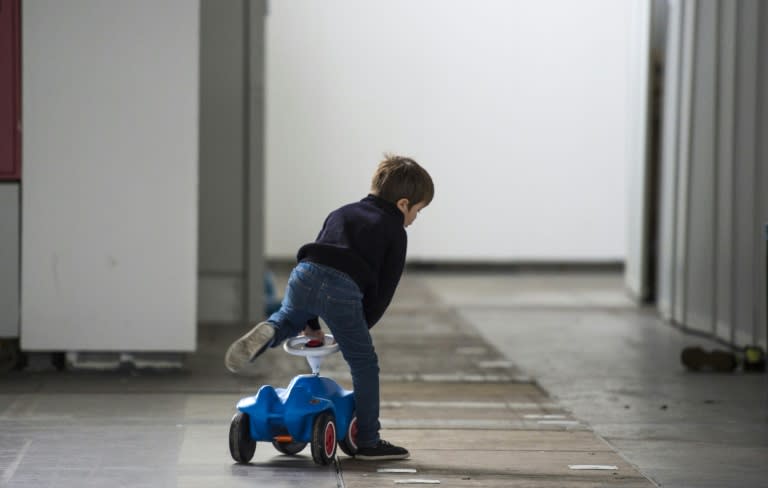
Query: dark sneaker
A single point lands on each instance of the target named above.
(248, 347)
(697, 359)
(381, 451)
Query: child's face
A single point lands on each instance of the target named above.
(409, 214)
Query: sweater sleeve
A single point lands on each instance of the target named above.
(376, 302)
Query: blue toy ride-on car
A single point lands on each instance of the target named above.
(312, 410)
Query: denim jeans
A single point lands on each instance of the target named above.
(319, 291)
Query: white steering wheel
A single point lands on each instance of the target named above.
(303, 346)
(298, 346)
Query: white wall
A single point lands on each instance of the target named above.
(110, 111)
(517, 108)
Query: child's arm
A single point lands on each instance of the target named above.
(374, 304)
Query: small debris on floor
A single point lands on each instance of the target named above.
(664, 407)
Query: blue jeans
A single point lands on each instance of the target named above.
(319, 291)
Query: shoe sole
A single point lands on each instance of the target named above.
(248, 347)
(381, 458)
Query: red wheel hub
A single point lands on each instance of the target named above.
(353, 433)
(330, 438)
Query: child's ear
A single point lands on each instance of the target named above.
(402, 204)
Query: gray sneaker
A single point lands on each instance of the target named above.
(249, 347)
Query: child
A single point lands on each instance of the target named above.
(348, 277)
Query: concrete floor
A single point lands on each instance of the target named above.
(617, 367)
(464, 357)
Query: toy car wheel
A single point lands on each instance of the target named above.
(289, 448)
(241, 444)
(349, 443)
(324, 438)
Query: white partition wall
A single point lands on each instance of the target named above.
(712, 276)
(110, 144)
(638, 156)
(519, 109)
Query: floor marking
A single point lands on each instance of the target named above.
(474, 378)
(601, 467)
(438, 378)
(396, 470)
(469, 424)
(544, 417)
(446, 404)
(416, 481)
(11, 470)
(339, 473)
(464, 404)
(452, 424)
(499, 363)
(471, 350)
(558, 422)
(531, 405)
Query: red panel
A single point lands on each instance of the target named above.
(10, 90)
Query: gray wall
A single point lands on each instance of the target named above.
(9, 260)
(714, 177)
(230, 258)
(222, 108)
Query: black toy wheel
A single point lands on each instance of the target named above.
(349, 443)
(324, 438)
(241, 444)
(289, 448)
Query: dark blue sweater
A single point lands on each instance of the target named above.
(367, 241)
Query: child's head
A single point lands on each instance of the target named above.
(403, 182)
(398, 177)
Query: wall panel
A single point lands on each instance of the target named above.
(670, 140)
(702, 197)
(744, 172)
(711, 267)
(725, 191)
(680, 259)
(760, 333)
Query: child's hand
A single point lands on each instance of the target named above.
(314, 334)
